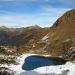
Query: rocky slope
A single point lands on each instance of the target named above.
(61, 38)
(15, 41)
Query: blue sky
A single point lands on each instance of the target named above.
(23, 13)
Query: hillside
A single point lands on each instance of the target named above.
(21, 39)
(61, 38)
(20, 36)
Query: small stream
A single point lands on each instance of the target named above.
(36, 61)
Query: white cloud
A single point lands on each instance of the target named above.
(12, 21)
(45, 17)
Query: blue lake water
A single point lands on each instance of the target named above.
(33, 62)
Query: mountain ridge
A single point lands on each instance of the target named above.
(19, 35)
(58, 40)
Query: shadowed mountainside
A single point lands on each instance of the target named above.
(20, 36)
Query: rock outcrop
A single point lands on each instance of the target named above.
(6, 71)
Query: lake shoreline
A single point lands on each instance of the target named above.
(57, 69)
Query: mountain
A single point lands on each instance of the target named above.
(61, 38)
(58, 40)
(20, 36)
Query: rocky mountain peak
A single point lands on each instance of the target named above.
(67, 19)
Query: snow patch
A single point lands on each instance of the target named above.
(50, 70)
(45, 38)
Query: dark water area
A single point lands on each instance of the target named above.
(33, 62)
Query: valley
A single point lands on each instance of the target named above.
(34, 42)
